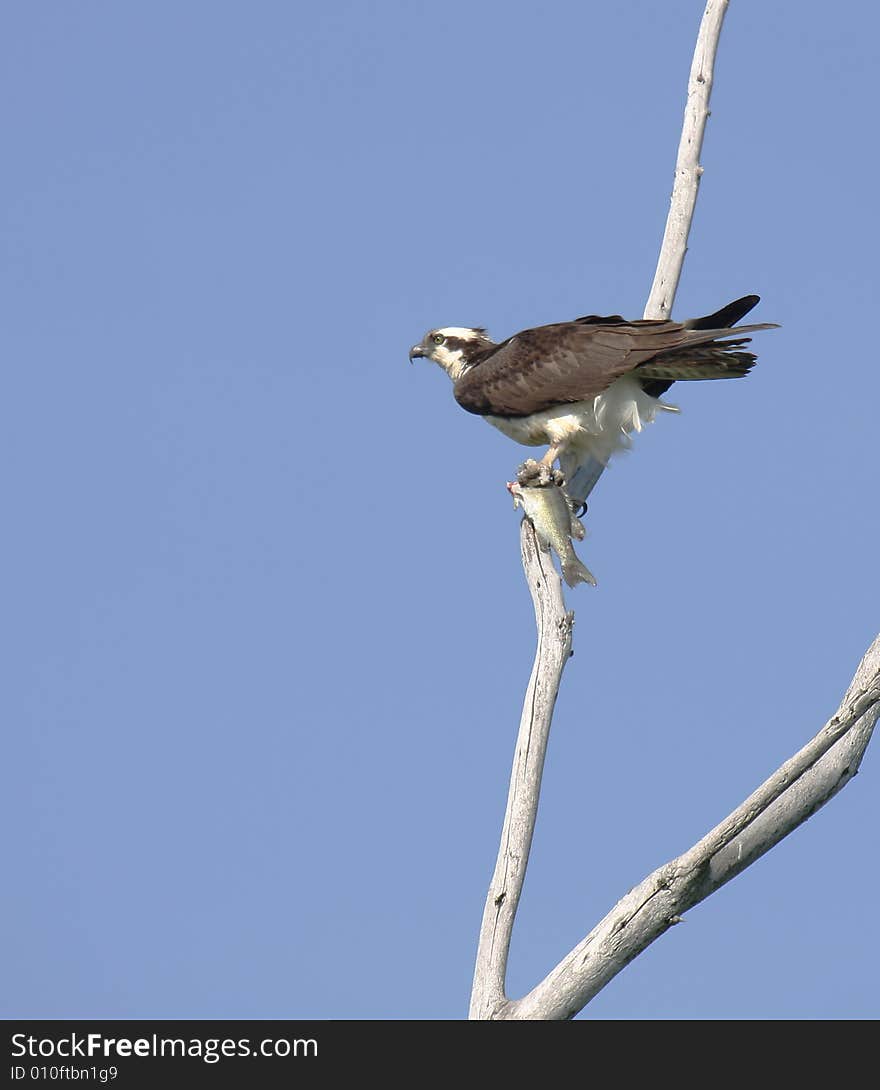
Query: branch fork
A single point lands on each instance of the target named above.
(787, 798)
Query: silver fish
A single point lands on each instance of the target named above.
(549, 510)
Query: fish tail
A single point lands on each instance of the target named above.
(575, 572)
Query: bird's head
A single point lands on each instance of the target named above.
(454, 348)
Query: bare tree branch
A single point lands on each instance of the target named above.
(685, 186)
(553, 651)
(488, 997)
(687, 167)
(791, 795)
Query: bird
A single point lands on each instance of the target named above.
(583, 387)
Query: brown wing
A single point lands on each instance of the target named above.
(559, 364)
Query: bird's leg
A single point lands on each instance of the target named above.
(557, 477)
(553, 452)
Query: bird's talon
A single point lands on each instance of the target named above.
(531, 473)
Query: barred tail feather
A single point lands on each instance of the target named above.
(702, 362)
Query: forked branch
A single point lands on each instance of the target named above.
(785, 800)
(791, 795)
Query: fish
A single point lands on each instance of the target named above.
(548, 508)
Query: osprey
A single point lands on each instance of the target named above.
(582, 387)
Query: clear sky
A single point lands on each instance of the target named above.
(264, 630)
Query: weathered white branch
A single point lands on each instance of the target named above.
(685, 186)
(791, 795)
(687, 167)
(552, 653)
(488, 997)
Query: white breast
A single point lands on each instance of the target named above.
(598, 427)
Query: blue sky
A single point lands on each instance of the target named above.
(264, 625)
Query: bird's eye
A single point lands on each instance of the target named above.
(438, 338)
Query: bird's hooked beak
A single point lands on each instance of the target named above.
(416, 352)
